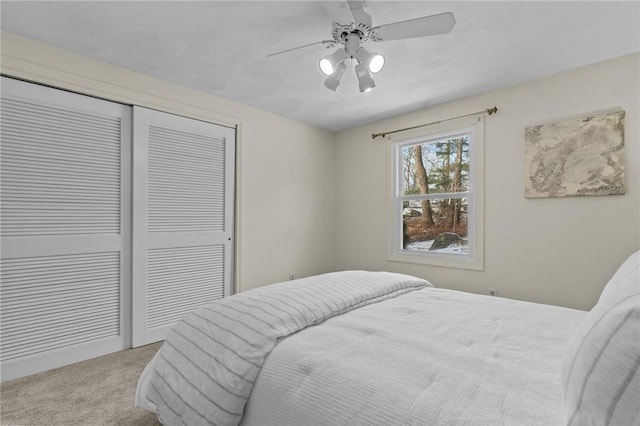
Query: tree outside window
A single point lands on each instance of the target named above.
(436, 168)
(437, 207)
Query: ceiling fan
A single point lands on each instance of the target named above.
(350, 37)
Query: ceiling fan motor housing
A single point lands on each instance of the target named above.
(352, 44)
(361, 27)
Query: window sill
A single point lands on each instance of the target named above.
(440, 260)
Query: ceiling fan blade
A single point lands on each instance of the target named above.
(328, 43)
(356, 6)
(339, 11)
(361, 19)
(347, 12)
(419, 27)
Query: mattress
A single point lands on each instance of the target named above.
(429, 357)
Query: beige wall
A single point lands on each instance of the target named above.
(311, 201)
(555, 250)
(284, 168)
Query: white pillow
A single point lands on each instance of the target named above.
(601, 367)
(626, 275)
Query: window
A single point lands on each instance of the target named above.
(437, 197)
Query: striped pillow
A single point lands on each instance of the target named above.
(601, 367)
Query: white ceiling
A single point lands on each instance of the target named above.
(220, 47)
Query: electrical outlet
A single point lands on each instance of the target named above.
(492, 291)
(292, 275)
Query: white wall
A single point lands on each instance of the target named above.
(555, 250)
(302, 191)
(285, 175)
(287, 214)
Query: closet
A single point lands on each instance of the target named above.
(115, 221)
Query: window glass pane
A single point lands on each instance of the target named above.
(438, 225)
(436, 167)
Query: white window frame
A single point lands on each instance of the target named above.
(474, 259)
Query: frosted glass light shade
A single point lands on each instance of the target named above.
(365, 81)
(329, 63)
(326, 66)
(333, 81)
(373, 61)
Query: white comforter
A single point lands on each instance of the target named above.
(430, 357)
(206, 369)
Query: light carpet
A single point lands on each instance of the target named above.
(98, 391)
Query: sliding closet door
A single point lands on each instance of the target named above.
(183, 176)
(65, 226)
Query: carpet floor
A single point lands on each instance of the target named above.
(98, 391)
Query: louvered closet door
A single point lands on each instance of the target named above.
(65, 190)
(183, 175)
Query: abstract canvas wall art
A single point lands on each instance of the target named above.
(583, 156)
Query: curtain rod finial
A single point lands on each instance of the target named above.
(492, 110)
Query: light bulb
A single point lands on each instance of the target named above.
(326, 67)
(376, 62)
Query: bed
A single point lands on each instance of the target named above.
(379, 348)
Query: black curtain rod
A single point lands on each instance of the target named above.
(486, 111)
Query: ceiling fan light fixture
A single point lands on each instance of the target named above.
(333, 81)
(329, 63)
(373, 61)
(365, 81)
(351, 34)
